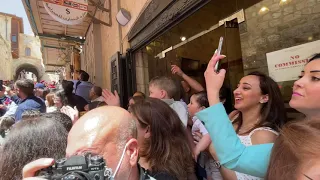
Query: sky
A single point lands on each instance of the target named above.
(15, 7)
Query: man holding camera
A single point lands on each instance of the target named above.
(109, 132)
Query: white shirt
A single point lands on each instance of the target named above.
(246, 140)
(180, 109)
(198, 126)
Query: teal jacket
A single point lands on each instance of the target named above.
(232, 154)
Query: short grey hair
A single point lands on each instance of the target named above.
(124, 133)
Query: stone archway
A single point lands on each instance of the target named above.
(27, 68)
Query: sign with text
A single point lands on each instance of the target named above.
(287, 64)
(69, 12)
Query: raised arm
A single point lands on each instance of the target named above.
(252, 160)
(195, 85)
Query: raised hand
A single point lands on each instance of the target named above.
(214, 80)
(176, 70)
(110, 98)
(73, 113)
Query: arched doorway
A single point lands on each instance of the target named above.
(27, 71)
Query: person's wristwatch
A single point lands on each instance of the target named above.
(217, 164)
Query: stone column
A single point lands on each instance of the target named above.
(142, 73)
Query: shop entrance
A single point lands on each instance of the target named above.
(191, 44)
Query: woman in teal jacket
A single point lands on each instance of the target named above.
(253, 160)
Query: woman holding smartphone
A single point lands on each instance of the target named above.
(253, 160)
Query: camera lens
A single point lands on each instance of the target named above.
(70, 177)
(74, 177)
(97, 177)
(96, 159)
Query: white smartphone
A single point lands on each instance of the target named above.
(216, 68)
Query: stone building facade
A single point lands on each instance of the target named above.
(30, 57)
(282, 26)
(156, 25)
(102, 42)
(5, 48)
(5, 59)
(268, 26)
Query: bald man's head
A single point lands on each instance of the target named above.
(106, 131)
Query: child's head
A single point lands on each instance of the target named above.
(198, 102)
(135, 99)
(5, 124)
(162, 88)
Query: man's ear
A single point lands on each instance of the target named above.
(132, 151)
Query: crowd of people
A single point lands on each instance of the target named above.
(181, 131)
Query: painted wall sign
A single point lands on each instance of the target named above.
(287, 64)
(70, 12)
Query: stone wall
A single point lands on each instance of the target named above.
(283, 26)
(88, 60)
(32, 42)
(114, 38)
(35, 58)
(142, 71)
(5, 59)
(91, 60)
(5, 27)
(291, 24)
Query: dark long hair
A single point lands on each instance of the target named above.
(66, 94)
(273, 112)
(30, 140)
(167, 149)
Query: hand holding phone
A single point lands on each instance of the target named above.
(218, 52)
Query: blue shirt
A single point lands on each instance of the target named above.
(30, 103)
(83, 89)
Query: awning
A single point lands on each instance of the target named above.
(59, 40)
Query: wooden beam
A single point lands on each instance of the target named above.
(62, 37)
(56, 65)
(53, 47)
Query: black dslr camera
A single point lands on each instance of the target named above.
(86, 167)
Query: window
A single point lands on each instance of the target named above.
(28, 51)
(14, 38)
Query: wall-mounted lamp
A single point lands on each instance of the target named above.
(123, 17)
(284, 2)
(264, 10)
